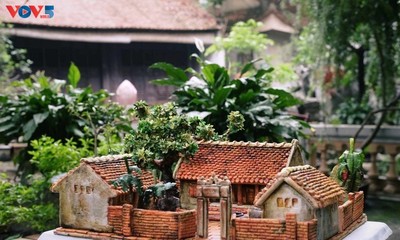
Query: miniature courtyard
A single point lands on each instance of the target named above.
(199, 119)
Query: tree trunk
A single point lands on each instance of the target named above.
(360, 73)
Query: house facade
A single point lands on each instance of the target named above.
(307, 193)
(87, 195)
(111, 41)
(249, 166)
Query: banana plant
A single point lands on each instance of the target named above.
(348, 172)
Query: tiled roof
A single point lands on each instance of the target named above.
(241, 162)
(175, 15)
(315, 186)
(110, 168)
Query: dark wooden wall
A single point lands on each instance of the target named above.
(105, 65)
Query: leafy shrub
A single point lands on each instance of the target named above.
(57, 109)
(53, 157)
(24, 209)
(32, 207)
(351, 112)
(13, 62)
(212, 94)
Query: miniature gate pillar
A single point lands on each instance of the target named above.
(213, 188)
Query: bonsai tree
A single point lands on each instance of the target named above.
(163, 139)
(348, 172)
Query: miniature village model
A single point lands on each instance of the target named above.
(256, 191)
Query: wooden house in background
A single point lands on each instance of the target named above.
(112, 40)
(250, 166)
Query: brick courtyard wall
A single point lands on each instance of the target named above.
(351, 210)
(358, 208)
(274, 229)
(307, 230)
(259, 228)
(291, 226)
(163, 224)
(119, 217)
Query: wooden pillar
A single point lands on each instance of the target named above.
(225, 208)
(239, 195)
(256, 189)
(202, 217)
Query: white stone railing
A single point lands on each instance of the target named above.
(382, 155)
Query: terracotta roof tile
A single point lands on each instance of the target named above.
(178, 15)
(112, 167)
(241, 162)
(317, 185)
(109, 168)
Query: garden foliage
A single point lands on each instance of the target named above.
(58, 109)
(212, 94)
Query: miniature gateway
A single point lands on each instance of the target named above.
(296, 202)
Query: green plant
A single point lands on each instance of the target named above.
(25, 209)
(348, 173)
(13, 62)
(211, 94)
(359, 40)
(163, 137)
(243, 39)
(351, 112)
(54, 157)
(57, 109)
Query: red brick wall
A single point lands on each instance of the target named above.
(307, 230)
(164, 225)
(358, 208)
(274, 229)
(115, 218)
(351, 210)
(187, 224)
(119, 217)
(291, 225)
(259, 228)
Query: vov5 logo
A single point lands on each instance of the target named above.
(26, 11)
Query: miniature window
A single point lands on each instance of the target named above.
(295, 201)
(89, 190)
(82, 189)
(279, 202)
(287, 202)
(76, 188)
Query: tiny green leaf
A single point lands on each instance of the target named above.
(74, 75)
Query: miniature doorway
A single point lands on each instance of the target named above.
(214, 188)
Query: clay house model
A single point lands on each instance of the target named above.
(303, 194)
(87, 196)
(250, 166)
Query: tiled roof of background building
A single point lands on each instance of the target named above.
(175, 15)
(319, 189)
(242, 162)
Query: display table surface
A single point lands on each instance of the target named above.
(370, 231)
(367, 231)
